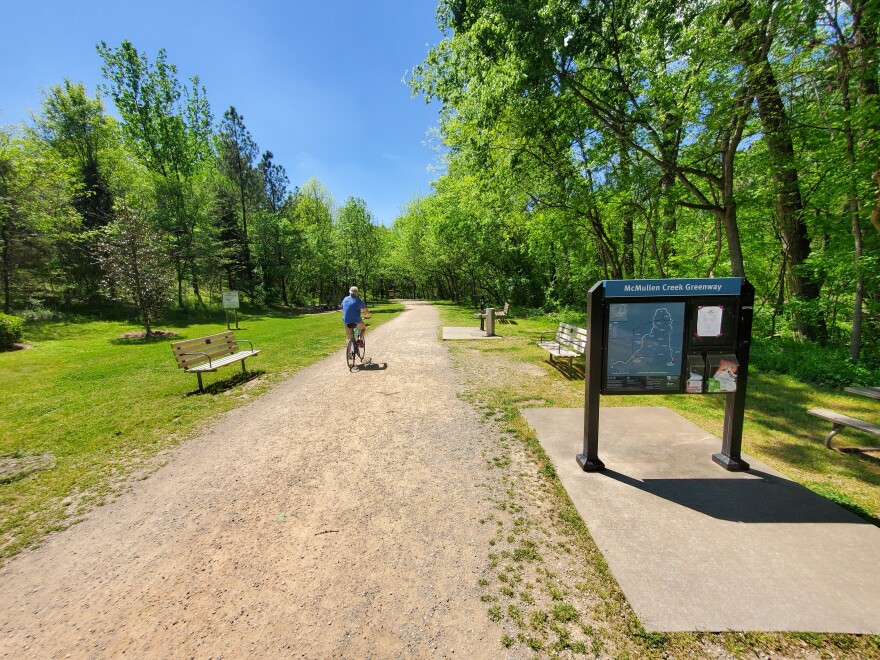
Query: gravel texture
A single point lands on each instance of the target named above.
(336, 516)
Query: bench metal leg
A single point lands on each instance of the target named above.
(834, 431)
(199, 376)
(569, 369)
(243, 370)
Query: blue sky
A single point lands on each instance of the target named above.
(319, 83)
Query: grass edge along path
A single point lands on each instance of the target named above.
(93, 410)
(551, 606)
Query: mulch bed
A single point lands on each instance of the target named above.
(143, 335)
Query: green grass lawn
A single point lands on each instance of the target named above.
(96, 406)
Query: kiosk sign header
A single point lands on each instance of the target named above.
(714, 286)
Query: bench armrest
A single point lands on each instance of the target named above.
(244, 341)
(200, 353)
(547, 332)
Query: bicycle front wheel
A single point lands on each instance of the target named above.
(350, 351)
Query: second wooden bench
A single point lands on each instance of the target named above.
(569, 342)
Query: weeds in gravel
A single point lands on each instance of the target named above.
(567, 600)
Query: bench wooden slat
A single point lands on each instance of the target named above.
(872, 392)
(210, 339)
(845, 420)
(839, 422)
(186, 360)
(222, 362)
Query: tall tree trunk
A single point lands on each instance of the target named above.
(753, 49)
(789, 204)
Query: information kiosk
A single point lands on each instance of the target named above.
(675, 336)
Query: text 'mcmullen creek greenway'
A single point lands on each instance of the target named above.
(673, 287)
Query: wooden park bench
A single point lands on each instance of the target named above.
(839, 421)
(504, 312)
(570, 342)
(210, 353)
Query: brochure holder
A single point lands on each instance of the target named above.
(696, 378)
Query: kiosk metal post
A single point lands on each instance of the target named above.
(589, 460)
(735, 404)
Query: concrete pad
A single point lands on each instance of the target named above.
(466, 333)
(695, 547)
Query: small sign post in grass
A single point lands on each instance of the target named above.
(230, 301)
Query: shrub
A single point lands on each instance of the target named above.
(809, 362)
(36, 311)
(11, 330)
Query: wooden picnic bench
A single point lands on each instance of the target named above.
(210, 353)
(870, 392)
(569, 342)
(839, 421)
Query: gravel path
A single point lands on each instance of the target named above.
(335, 516)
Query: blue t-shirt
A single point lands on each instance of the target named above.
(351, 309)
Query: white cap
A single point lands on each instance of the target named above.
(353, 290)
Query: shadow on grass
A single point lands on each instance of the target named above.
(577, 370)
(152, 339)
(15, 347)
(780, 407)
(220, 386)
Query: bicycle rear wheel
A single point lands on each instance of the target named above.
(350, 352)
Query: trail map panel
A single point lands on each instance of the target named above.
(645, 342)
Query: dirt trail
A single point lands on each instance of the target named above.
(335, 516)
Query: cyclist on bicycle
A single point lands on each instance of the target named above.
(351, 313)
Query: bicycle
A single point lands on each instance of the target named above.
(355, 347)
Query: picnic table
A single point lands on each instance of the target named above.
(872, 392)
(840, 421)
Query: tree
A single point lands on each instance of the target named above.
(75, 127)
(278, 241)
(755, 39)
(168, 127)
(35, 194)
(276, 185)
(236, 152)
(137, 265)
(317, 273)
(358, 243)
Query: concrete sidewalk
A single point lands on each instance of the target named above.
(695, 547)
(466, 333)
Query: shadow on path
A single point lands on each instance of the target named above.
(767, 499)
